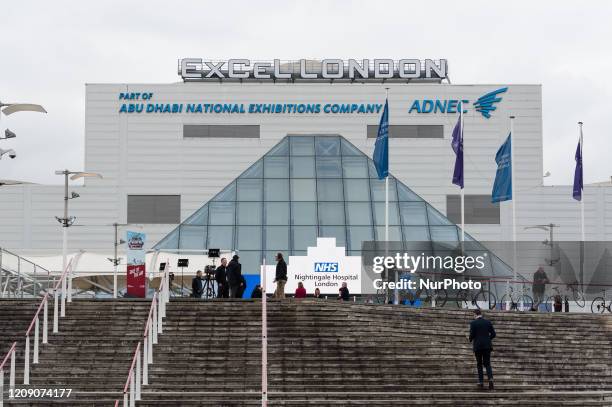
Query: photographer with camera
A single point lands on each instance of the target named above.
(221, 279)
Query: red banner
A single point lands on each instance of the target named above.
(136, 278)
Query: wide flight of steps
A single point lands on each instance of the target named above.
(328, 353)
(331, 353)
(91, 354)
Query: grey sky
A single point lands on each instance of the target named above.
(50, 49)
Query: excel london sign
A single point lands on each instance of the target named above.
(198, 69)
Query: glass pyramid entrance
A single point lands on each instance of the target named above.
(307, 186)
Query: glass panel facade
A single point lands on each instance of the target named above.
(250, 189)
(192, 237)
(307, 187)
(330, 190)
(249, 213)
(276, 213)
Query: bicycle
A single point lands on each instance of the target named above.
(437, 297)
(598, 306)
(517, 299)
(577, 295)
(465, 298)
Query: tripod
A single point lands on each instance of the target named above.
(209, 287)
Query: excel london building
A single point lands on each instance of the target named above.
(258, 157)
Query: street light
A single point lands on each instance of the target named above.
(8, 134)
(116, 260)
(550, 229)
(67, 222)
(10, 108)
(11, 153)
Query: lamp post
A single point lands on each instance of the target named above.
(66, 222)
(10, 108)
(116, 260)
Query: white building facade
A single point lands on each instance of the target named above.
(166, 149)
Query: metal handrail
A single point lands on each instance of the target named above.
(35, 323)
(9, 355)
(15, 270)
(138, 375)
(24, 259)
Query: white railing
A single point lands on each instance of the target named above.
(10, 355)
(138, 375)
(35, 325)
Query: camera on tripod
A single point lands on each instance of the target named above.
(209, 272)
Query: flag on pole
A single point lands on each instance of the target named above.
(502, 187)
(381, 147)
(457, 145)
(578, 182)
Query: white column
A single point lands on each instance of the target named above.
(264, 338)
(45, 338)
(26, 363)
(36, 338)
(513, 139)
(55, 311)
(138, 377)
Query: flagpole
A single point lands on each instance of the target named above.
(463, 177)
(582, 197)
(396, 293)
(582, 229)
(512, 165)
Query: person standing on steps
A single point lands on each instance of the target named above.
(482, 334)
(234, 274)
(221, 278)
(540, 279)
(343, 293)
(300, 291)
(281, 276)
(197, 287)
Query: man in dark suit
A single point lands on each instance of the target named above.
(197, 288)
(481, 335)
(234, 274)
(221, 279)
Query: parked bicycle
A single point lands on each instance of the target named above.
(600, 304)
(576, 295)
(517, 300)
(469, 298)
(426, 296)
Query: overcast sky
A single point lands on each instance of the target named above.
(50, 49)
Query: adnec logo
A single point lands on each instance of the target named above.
(484, 104)
(324, 267)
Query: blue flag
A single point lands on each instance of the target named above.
(457, 145)
(381, 148)
(578, 185)
(502, 188)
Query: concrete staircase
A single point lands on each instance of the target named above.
(90, 355)
(327, 353)
(330, 353)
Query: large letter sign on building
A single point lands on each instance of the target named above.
(136, 274)
(324, 267)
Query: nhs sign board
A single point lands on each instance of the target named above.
(324, 267)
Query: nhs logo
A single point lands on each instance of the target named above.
(324, 267)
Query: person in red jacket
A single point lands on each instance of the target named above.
(300, 291)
